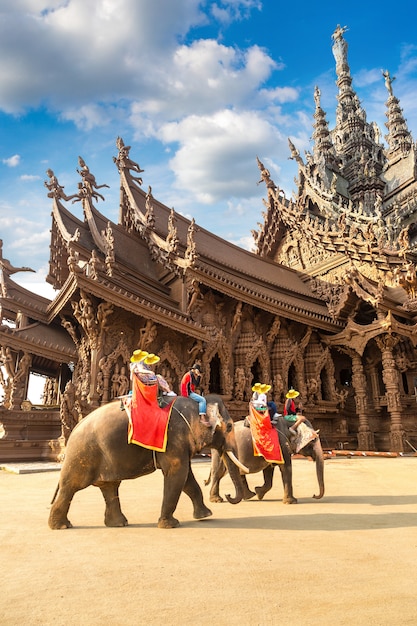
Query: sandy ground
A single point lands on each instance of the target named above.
(347, 559)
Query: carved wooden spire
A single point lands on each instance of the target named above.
(323, 145)
(349, 104)
(398, 138)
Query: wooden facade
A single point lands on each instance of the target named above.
(326, 304)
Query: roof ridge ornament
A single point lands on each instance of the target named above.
(124, 162)
(191, 251)
(88, 187)
(55, 189)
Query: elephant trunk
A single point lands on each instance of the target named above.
(236, 479)
(319, 459)
(229, 459)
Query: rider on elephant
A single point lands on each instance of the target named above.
(293, 411)
(190, 386)
(259, 398)
(140, 365)
(273, 413)
(265, 437)
(300, 428)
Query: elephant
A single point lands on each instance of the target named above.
(98, 453)
(257, 463)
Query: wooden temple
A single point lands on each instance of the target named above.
(326, 304)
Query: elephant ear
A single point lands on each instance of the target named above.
(214, 415)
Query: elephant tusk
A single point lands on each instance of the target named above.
(237, 462)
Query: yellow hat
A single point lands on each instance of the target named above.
(138, 355)
(151, 359)
(257, 387)
(265, 388)
(292, 393)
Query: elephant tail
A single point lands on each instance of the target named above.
(55, 494)
(208, 480)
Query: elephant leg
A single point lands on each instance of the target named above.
(286, 475)
(58, 519)
(67, 488)
(217, 471)
(113, 515)
(247, 493)
(193, 491)
(268, 473)
(175, 472)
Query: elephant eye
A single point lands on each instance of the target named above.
(229, 427)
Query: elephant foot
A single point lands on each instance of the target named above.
(260, 492)
(216, 499)
(59, 524)
(289, 500)
(248, 494)
(170, 522)
(116, 522)
(202, 513)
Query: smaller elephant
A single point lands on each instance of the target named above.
(258, 463)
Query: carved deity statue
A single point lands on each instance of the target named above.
(340, 45)
(194, 296)
(239, 384)
(147, 334)
(237, 317)
(388, 81)
(68, 412)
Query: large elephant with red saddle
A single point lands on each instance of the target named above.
(256, 464)
(98, 453)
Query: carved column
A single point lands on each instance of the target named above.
(365, 436)
(20, 381)
(93, 395)
(390, 376)
(105, 367)
(376, 392)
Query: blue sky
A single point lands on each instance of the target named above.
(198, 89)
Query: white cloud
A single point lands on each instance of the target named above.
(70, 52)
(12, 161)
(89, 116)
(365, 78)
(25, 238)
(36, 282)
(29, 177)
(202, 78)
(279, 94)
(226, 11)
(245, 242)
(127, 50)
(216, 157)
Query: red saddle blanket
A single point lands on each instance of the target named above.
(148, 422)
(265, 437)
